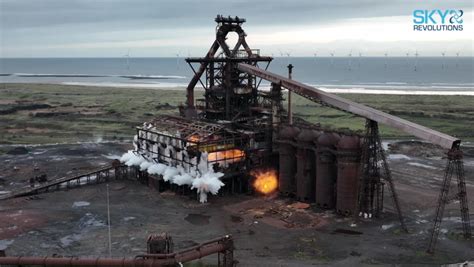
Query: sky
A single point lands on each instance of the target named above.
(167, 28)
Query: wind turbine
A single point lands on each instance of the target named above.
(127, 58)
(416, 59)
(350, 60)
(457, 59)
(177, 59)
(386, 55)
(443, 54)
(408, 56)
(360, 57)
(332, 58)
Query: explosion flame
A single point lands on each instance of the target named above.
(266, 181)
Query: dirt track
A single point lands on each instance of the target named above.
(74, 222)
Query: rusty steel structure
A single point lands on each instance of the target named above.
(337, 102)
(455, 167)
(348, 153)
(229, 94)
(287, 160)
(223, 246)
(306, 167)
(374, 171)
(326, 170)
(446, 141)
(232, 95)
(233, 123)
(194, 137)
(94, 177)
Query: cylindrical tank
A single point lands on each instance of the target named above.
(286, 183)
(305, 166)
(348, 152)
(326, 170)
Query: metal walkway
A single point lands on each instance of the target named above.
(93, 177)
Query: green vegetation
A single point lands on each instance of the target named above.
(78, 113)
(453, 115)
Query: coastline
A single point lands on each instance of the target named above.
(377, 89)
(36, 113)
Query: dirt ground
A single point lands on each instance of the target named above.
(268, 231)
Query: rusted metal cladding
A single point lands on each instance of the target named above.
(305, 166)
(348, 153)
(326, 170)
(286, 183)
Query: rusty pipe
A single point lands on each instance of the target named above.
(148, 260)
(51, 261)
(226, 240)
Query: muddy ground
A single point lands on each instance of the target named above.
(74, 222)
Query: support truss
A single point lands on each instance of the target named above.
(454, 167)
(374, 169)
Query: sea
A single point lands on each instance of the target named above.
(397, 75)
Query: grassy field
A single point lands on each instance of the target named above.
(453, 115)
(45, 113)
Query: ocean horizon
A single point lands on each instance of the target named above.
(392, 75)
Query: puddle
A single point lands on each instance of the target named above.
(69, 239)
(346, 231)
(398, 157)
(90, 220)
(5, 243)
(78, 204)
(416, 164)
(197, 219)
(387, 226)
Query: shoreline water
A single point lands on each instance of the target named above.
(403, 74)
(376, 89)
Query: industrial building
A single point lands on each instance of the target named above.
(241, 138)
(241, 129)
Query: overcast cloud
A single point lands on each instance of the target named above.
(75, 28)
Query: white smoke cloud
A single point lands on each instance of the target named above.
(183, 179)
(145, 165)
(169, 174)
(207, 183)
(157, 168)
(204, 179)
(131, 159)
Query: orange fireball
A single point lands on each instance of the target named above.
(194, 138)
(266, 181)
(230, 156)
